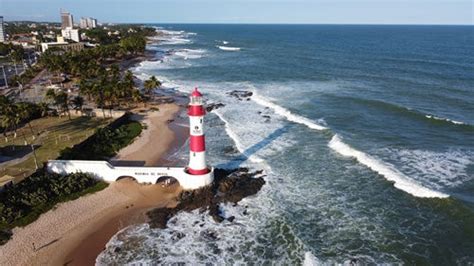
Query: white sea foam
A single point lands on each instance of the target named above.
(236, 139)
(286, 113)
(311, 260)
(190, 53)
(225, 42)
(400, 180)
(228, 48)
(445, 119)
(440, 169)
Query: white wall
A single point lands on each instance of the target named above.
(103, 170)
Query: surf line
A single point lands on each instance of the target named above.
(401, 181)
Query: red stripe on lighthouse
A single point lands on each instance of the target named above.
(197, 143)
(196, 110)
(198, 172)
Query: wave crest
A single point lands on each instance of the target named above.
(400, 180)
(286, 113)
(228, 48)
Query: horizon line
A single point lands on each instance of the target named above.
(264, 23)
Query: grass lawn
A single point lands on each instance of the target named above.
(53, 134)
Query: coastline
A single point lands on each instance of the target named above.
(75, 232)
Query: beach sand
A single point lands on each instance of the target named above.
(75, 232)
(155, 140)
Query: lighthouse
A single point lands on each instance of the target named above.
(197, 144)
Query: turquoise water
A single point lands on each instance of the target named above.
(366, 134)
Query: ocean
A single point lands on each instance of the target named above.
(365, 134)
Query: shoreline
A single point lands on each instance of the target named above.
(75, 232)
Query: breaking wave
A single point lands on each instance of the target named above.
(400, 180)
(286, 113)
(228, 48)
(236, 139)
(445, 119)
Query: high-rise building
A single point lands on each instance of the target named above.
(2, 31)
(71, 34)
(66, 20)
(92, 22)
(88, 23)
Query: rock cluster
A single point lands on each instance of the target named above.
(229, 186)
(241, 95)
(214, 106)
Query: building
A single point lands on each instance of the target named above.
(88, 23)
(66, 20)
(2, 30)
(62, 46)
(71, 34)
(196, 175)
(27, 40)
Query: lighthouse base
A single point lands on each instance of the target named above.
(193, 181)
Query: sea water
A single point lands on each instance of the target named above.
(365, 134)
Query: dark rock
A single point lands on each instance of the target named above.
(117, 249)
(241, 94)
(229, 186)
(213, 106)
(209, 235)
(177, 236)
(215, 213)
(231, 219)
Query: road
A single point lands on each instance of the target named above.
(11, 69)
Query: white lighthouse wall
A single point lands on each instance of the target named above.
(196, 125)
(197, 160)
(103, 170)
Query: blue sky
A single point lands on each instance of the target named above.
(248, 11)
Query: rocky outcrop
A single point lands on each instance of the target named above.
(213, 106)
(241, 95)
(229, 186)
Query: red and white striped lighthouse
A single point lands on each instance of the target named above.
(197, 154)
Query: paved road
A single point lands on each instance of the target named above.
(13, 69)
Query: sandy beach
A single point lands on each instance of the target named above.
(75, 232)
(155, 139)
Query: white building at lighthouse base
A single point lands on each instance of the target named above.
(103, 170)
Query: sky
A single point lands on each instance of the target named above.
(247, 11)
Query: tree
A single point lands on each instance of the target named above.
(151, 84)
(78, 102)
(25, 112)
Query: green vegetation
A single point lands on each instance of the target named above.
(49, 135)
(24, 202)
(12, 115)
(151, 84)
(105, 143)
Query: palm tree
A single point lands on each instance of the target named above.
(78, 102)
(136, 96)
(151, 84)
(25, 112)
(62, 100)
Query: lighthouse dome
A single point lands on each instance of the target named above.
(196, 93)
